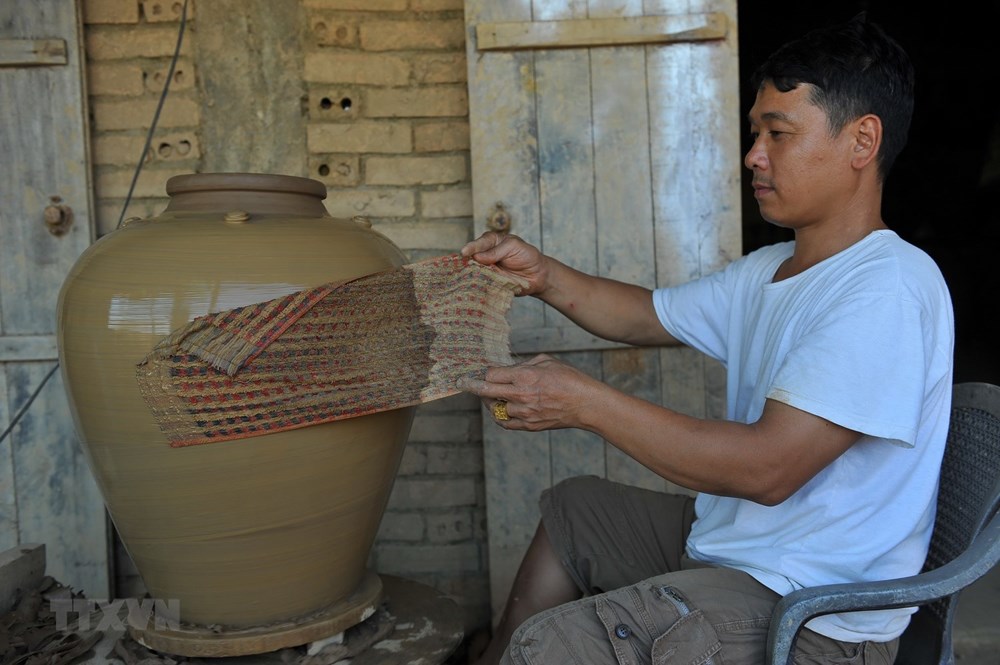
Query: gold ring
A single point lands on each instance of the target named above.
(500, 410)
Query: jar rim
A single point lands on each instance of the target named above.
(261, 182)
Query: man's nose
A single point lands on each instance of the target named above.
(755, 157)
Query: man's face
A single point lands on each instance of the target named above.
(801, 174)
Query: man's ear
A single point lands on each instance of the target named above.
(867, 140)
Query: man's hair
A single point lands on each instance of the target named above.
(855, 68)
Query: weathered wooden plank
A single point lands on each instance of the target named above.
(48, 142)
(49, 495)
(624, 207)
(557, 338)
(32, 52)
(566, 163)
(28, 347)
(517, 468)
(577, 452)
(8, 497)
(718, 171)
(669, 76)
(634, 372)
(622, 166)
(58, 502)
(581, 33)
(696, 182)
(505, 169)
(685, 392)
(504, 141)
(21, 570)
(696, 163)
(568, 214)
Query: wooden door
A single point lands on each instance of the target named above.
(607, 132)
(47, 493)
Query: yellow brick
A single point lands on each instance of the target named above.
(156, 75)
(436, 5)
(359, 137)
(442, 236)
(114, 79)
(371, 202)
(124, 149)
(357, 5)
(175, 147)
(440, 68)
(436, 101)
(370, 69)
(110, 11)
(118, 149)
(114, 43)
(405, 35)
(157, 11)
(442, 170)
(329, 31)
(335, 170)
(151, 184)
(177, 112)
(109, 211)
(441, 136)
(335, 104)
(446, 203)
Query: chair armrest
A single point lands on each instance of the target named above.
(799, 606)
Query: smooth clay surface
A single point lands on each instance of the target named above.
(244, 532)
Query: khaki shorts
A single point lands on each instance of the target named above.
(645, 601)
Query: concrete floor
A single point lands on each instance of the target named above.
(977, 625)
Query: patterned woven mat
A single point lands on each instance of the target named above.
(389, 340)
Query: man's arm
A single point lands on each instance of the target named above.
(766, 461)
(604, 307)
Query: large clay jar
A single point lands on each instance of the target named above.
(238, 533)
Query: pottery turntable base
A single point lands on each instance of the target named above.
(415, 624)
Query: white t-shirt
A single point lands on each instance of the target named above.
(863, 339)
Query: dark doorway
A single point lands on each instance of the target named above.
(943, 194)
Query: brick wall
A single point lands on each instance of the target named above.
(385, 118)
(129, 45)
(388, 127)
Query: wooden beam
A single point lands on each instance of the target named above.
(24, 348)
(32, 52)
(557, 339)
(577, 33)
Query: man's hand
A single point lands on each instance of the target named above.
(540, 394)
(512, 255)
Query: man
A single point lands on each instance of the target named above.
(838, 351)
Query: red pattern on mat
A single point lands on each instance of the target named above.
(385, 341)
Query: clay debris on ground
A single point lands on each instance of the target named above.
(29, 634)
(33, 633)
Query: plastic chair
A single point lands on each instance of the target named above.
(965, 545)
